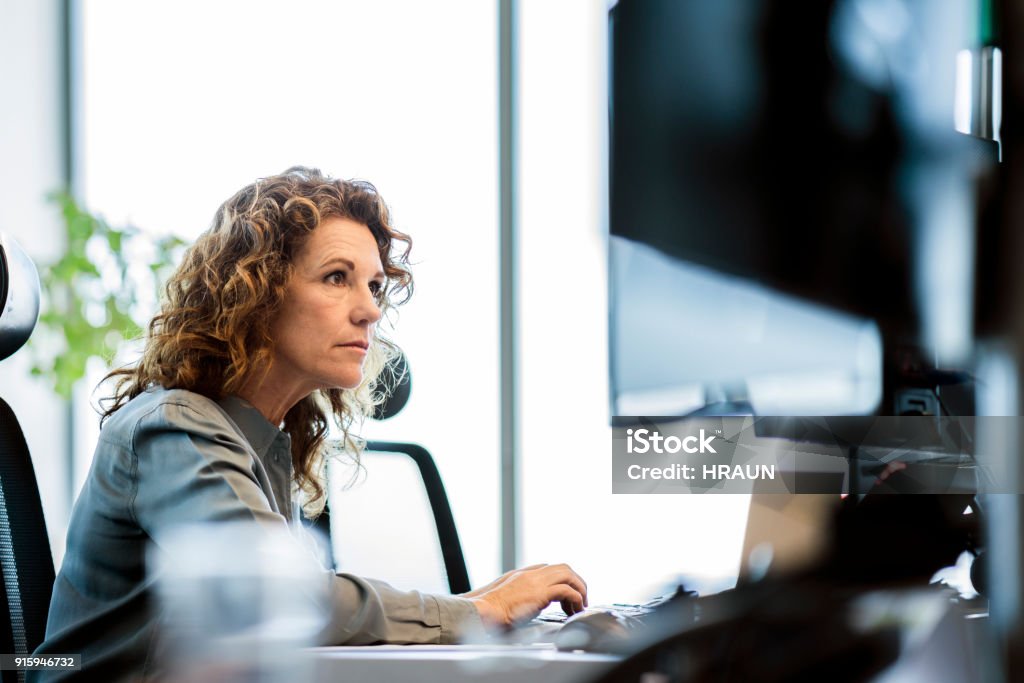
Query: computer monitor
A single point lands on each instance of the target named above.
(793, 220)
(792, 213)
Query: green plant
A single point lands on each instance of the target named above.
(99, 293)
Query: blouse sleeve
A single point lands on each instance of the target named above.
(193, 467)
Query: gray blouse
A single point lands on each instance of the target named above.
(170, 457)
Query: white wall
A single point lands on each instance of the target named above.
(30, 149)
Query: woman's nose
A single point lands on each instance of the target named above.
(368, 309)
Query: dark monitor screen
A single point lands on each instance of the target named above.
(729, 149)
(772, 196)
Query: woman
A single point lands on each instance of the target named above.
(268, 326)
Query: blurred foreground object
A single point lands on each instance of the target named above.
(239, 603)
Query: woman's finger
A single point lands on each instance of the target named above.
(563, 573)
(570, 609)
(567, 597)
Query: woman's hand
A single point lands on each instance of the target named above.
(521, 594)
(498, 581)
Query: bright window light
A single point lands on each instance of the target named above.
(183, 103)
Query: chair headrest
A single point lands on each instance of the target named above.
(19, 296)
(398, 382)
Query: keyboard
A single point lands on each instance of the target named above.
(601, 628)
(555, 615)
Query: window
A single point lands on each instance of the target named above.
(183, 103)
(626, 547)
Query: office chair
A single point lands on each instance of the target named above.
(403, 471)
(25, 560)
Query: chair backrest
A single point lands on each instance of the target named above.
(25, 559)
(396, 523)
(26, 564)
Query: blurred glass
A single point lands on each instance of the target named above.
(238, 603)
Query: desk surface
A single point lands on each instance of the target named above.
(451, 663)
(942, 643)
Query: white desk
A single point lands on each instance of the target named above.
(454, 663)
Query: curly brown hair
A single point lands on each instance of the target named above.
(213, 331)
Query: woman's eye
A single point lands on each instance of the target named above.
(377, 288)
(336, 278)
